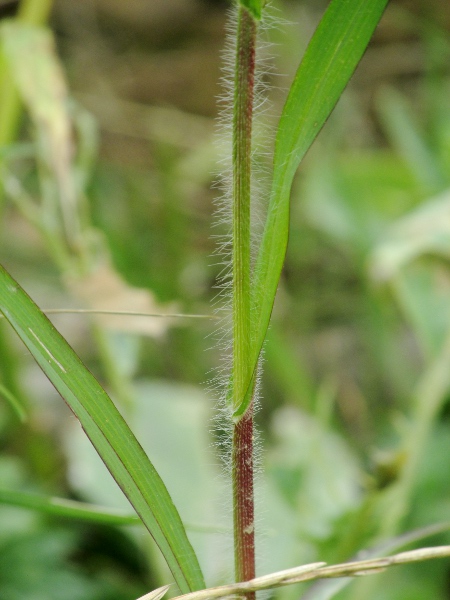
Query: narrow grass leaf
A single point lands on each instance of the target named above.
(107, 430)
(329, 61)
(34, 12)
(405, 134)
(14, 403)
(84, 511)
(60, 507)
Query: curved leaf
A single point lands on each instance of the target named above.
(71, 509)
(107, 430)
(14, 402)
(329, 61)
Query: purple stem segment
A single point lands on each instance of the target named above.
(244, 506)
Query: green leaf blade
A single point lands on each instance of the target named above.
(107, 430)
(14, 402)
(329, 61)
(70, 509)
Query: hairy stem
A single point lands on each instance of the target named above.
(242, 456)
(242, 132)
(244, 506)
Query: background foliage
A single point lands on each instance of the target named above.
(354, 428)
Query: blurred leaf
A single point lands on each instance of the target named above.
(36, 71)
(35, 11)
(45, 563)
(67, 508)
(319, 491)
(327, 589)
(305, 497)
(288, 368)
(106, 429)
(423, 291)
(17, 151)
(405, 135)
(329, 61)
(35, 566)
(14, 403)
(103, 288)
(426, 230)
(32, 12)
(13, 521)
(353, 197)
(431, 499)
(422, 284)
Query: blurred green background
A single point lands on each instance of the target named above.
(108, 159)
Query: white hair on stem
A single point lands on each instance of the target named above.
(261, 156)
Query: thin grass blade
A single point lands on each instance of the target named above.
(71, 509)
(329, 61)
(14, 403)
(107, 430)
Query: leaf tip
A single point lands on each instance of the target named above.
(155, 594)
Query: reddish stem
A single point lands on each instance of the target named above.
(244, 509)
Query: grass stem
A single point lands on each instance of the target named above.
(242, 133)
(242, 455)
(244, 506)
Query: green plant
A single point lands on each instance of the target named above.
(329, 62)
